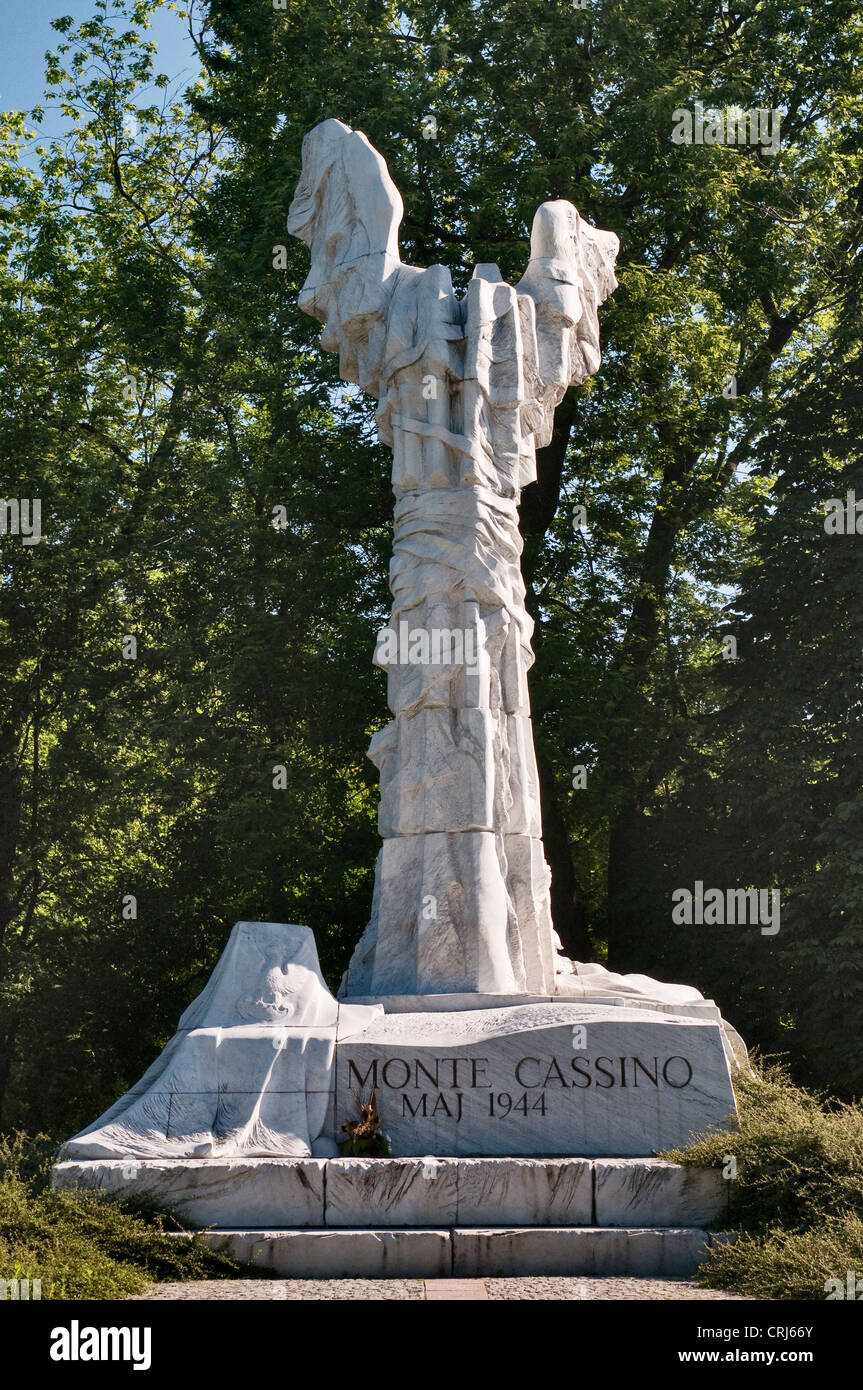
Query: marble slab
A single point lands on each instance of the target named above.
(427, 1192)
(208, 1191)
(392, 1192)
(652, 1192)
(347, 1254)
(550, 1251)
(525, 1192)
(561, 1079)
(465, 1253)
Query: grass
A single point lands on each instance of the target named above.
(797, 1199)
(84, 1246)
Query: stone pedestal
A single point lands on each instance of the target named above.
(519, 1125)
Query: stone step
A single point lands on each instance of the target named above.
(465, 1252)
(412, 1192)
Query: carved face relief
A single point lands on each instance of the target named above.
(275, 999)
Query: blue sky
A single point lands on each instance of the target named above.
(26, 34)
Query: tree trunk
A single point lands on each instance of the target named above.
(538, 507)
(626, 949)
(567, 904)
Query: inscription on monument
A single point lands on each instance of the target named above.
(524, 1090)
(439, 1086)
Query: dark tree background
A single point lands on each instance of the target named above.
(211, 489)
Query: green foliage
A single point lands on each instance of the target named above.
(797, 1198)
(84, 1246)
(789, 1264)
(772, 796)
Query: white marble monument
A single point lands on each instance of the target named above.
(466, 390)
(479, 1039)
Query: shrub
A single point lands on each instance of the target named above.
(797, 1199)
(84, 1246)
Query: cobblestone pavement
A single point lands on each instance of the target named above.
(587, 1288)
(420, 1289)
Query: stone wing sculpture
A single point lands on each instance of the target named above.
(466, 392)
(250, 1070)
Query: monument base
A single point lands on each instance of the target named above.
(425, 1218)
(518, 1124)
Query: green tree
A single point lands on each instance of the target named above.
(775, 795)
(203, 494)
